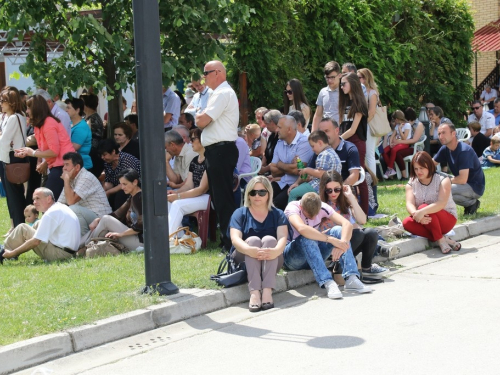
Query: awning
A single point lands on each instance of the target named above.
(487, 38)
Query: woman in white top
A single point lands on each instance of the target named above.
(295, 99)
(402, 131)
(366, 78)
(13, 137)
(430, 204)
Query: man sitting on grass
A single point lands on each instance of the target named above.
(56, 236)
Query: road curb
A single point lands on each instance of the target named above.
(187, 304)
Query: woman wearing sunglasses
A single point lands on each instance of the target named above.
(364, 240)
(192, 196)
(259, 234)
(295, 99)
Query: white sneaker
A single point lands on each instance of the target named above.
(390, 172)
(333, 290)
(353, 284)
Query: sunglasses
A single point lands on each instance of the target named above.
(289, 92)
(208, 72)
(475, 108)
(361, 77)
(336, 190)
(331, 77)
(342, 84)
(262, 193)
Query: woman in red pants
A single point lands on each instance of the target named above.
(430, 204)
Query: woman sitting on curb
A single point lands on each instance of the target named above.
(259, 234)
(430, 204)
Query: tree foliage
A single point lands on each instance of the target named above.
(419, 51)
(99, 46)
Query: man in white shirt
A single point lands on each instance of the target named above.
(219, 122)
(488, 96)
(55, 236)
(486, 119)
(56, 110)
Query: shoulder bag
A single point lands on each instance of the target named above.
(101, 246)
(229, 273)
(379, 125)
(18, 172)
(190, 243)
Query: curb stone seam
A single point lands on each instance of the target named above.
(472, 228)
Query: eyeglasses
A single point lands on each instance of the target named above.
(289, 92)
(342, 84)
(361, 77)
(336, 190)
(3, 101)
(208, 72)
(331, 77)
(192, 139)
(262, 193)
(475, 108)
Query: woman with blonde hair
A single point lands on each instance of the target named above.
(256, 142)
(366, 77)
(259, 234)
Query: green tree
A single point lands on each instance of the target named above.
(98, 41)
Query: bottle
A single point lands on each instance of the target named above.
(300, 166)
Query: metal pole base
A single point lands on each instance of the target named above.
(165, 288)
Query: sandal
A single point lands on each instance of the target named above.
(455, 246)
(445, 250)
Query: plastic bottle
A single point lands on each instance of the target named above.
(300, 166)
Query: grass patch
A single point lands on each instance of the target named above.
(40, 298)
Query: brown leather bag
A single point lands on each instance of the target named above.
(18, 172)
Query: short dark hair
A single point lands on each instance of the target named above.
(133, 119)
(75, 158)
(329, 119)
(438, 111)
(318, 135)
(350, 67)
(189, 117)
(130, 175)
(90, 100)
(423, 159)
(298, 116)
(331, 66)
(476, 102)
(108, 146)
(410, 114)
(497, 100)
(77, 104)
(127, 130)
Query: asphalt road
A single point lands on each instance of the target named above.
(435, 315)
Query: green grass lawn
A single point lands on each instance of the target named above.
(39, 298)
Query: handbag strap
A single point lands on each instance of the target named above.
(21, 129)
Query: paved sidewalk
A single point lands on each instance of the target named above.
(191, 303)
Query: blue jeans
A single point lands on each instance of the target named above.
(304, 254)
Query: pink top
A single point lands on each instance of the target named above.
(53, 136)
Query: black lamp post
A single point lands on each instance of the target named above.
(424, 119)
(154, 196)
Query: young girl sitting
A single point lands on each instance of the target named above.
(31, 215)
(402, 130)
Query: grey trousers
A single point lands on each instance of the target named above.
(463, 195)
(261, 273)
(85, 217)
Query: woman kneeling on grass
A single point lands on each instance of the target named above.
(364, 240)
(430, 204)
(125, 224)
(259, 233)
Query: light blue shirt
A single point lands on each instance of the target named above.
(285, 153)
(171, 104)
(199, 102)
(497, 117)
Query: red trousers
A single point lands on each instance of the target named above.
(390, 154)
(442, 222)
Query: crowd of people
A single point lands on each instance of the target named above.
(308, 202)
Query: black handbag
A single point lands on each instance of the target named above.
(235, 274)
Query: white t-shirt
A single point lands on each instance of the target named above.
(59, 226)
(223, 109)
(405, 127)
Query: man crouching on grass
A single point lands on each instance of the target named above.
(55, 236)
(310, 248)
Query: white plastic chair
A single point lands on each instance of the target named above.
(463, 134)
(256, 164)
(417, 146)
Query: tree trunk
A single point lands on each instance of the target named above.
(115, 107)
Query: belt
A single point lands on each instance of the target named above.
(214, 145)
(68, 250)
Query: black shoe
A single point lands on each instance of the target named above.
(1, 254)
(467, 210)
(267, 305)
(473, 209)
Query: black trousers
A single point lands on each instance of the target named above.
(34, 182)
(221, 161)
(364, 241)
(55, 182)
(16, 202)
(280, 196)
